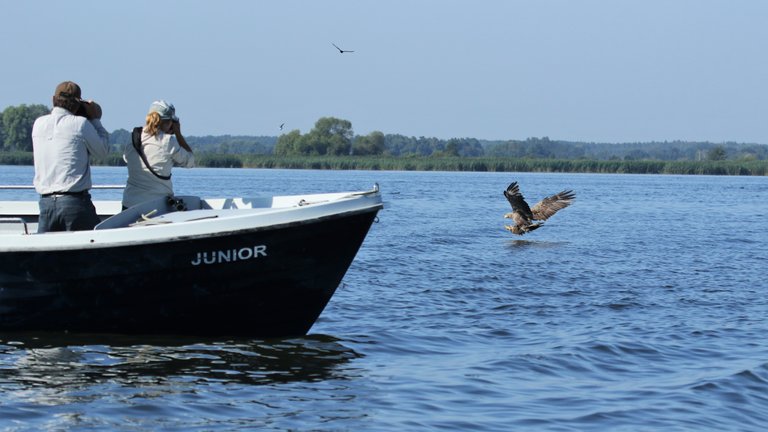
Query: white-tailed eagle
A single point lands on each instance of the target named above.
(526, 218)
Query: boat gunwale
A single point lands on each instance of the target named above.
(211, 227)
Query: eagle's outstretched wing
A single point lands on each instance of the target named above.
(517, 201)
(551, 204)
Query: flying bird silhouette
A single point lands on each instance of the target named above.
(341, 51)
(524, 216)
(281, 126)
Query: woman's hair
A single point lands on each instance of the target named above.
(153, 123)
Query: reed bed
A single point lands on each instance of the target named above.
(493, 164)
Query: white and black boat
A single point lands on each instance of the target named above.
(259, 267)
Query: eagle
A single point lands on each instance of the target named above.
(525, 217)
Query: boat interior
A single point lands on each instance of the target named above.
(22, 216)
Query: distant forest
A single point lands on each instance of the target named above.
(335, 137)
(530, 148)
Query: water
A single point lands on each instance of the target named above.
(640, 307)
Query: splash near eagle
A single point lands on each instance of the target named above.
(524, 217)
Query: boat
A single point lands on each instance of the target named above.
(258, 267)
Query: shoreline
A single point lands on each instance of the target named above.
(472, 164)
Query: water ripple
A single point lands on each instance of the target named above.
(637, 308)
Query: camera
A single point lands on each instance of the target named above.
(82, 109)
(88, 109)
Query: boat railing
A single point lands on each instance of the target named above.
(10, 220)
(30, 187)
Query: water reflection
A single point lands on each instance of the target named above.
(75, 361)
(534, 244)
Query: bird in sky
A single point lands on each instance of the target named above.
(524, 216)
(281, 126)
(341, 51)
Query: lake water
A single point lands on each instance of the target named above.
(641, 307)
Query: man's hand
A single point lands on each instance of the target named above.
(93, 110)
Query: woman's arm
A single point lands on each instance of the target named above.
(176, 130)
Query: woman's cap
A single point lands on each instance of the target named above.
(165, 109)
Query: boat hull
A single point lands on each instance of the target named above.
(262, 282)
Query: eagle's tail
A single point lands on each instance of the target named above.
(520, 230)
(534, 226)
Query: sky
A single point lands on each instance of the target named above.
(575, 70)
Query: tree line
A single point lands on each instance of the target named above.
(218, 144)
(663, 151)
(493, 164)
(331, 136)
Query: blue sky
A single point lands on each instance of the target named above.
(602, 71)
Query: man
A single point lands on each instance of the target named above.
(62, 143)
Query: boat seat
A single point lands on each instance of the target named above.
(149, 210)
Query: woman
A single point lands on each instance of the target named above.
(155, 149)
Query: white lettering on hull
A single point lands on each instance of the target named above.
(229, 255)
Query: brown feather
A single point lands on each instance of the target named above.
(523, 215)
(517, 201)
(550, 205)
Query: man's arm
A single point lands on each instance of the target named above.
(96, 137)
